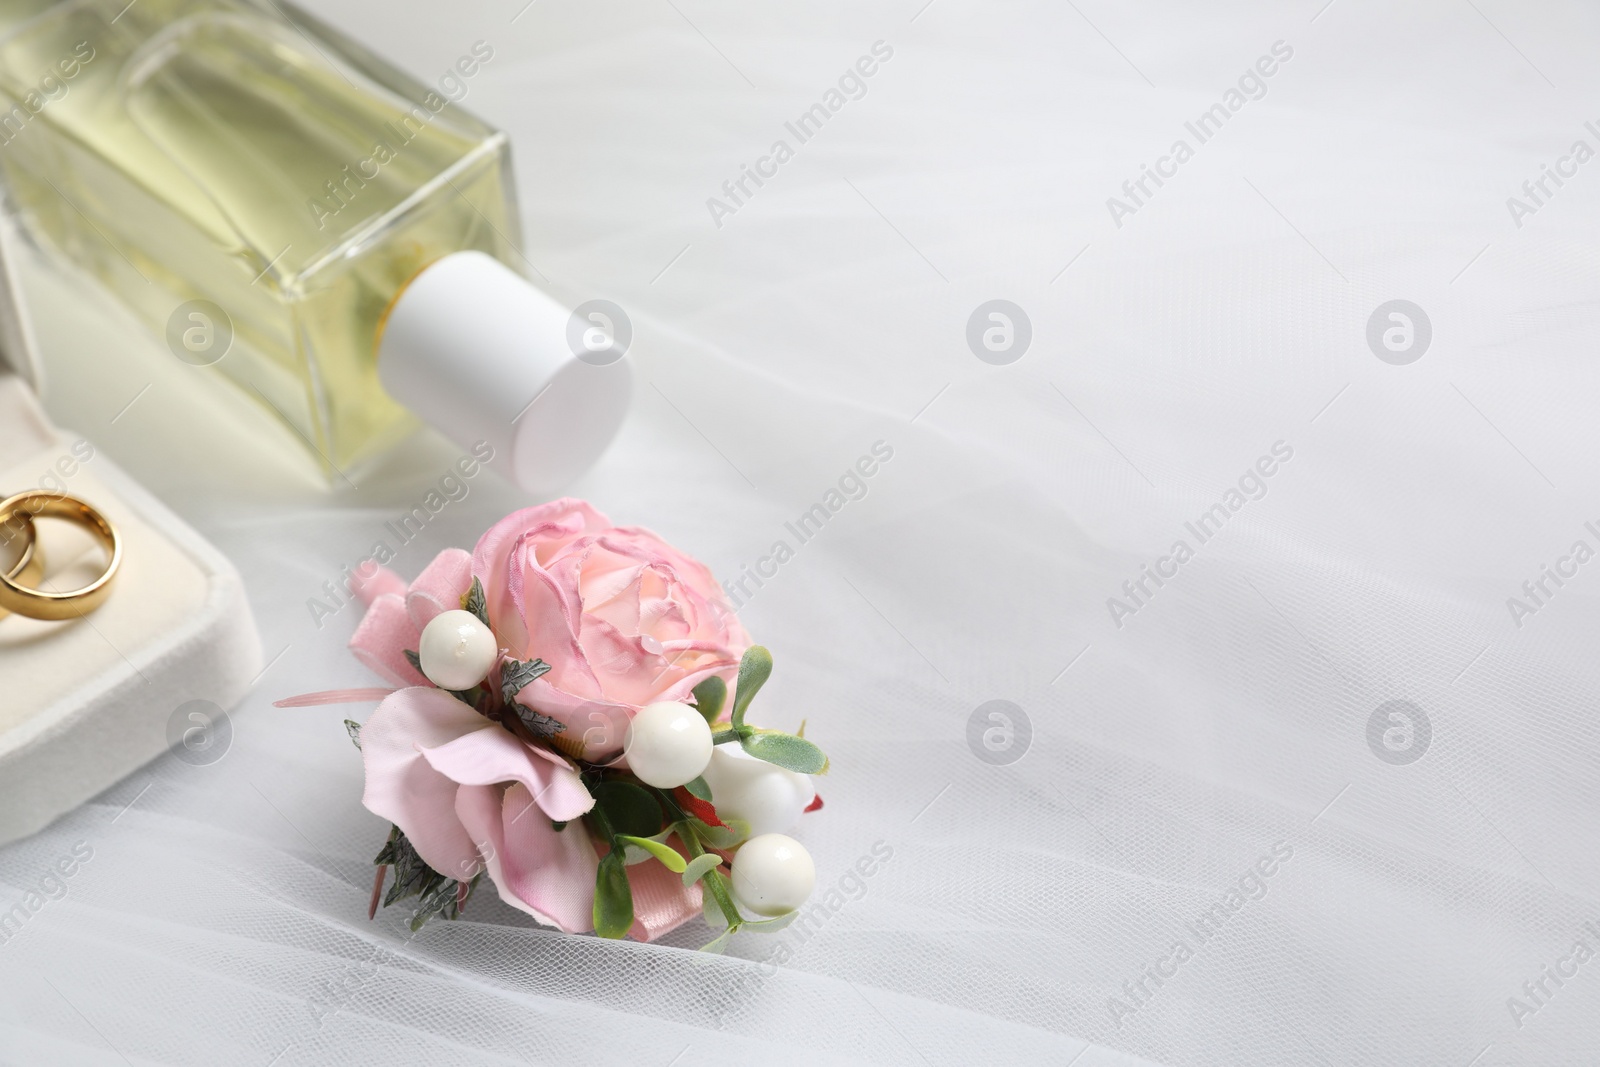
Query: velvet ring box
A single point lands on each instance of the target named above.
(83, 703)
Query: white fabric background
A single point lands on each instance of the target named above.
(222, 917)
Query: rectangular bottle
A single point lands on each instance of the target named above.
(252, 184)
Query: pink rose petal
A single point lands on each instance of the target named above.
(333, 696)
(626, 672)
(488, 757)
(440, 586)
(370, 581)
(551, 616)
(682, 687)
(687, 568)
(479, 808)
(403, 788)
(550, 526)
(623, 618)
(381, 638)
(551, 870)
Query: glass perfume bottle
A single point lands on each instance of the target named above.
(256, 186)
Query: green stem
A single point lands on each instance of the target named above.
(596, 818)
(723, 736)
(684, 828)
(691, 841)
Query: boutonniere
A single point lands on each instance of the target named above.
(569, 721)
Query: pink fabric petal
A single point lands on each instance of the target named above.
(708, 646)
(606, 566)
(440, 586)
(382, 636)
(683, 687)
(333, 696)
(661, 902)
(663, 617)
(556, 523)
(370, 581)
(403, 788)
(494, 755)
(687, 568)
(627, 673)
(640, 599)
(550, 616)
(550, 526)
(616, 599)
(479, 808)
(550, 870)
(688, 663)
(554, 757)
(712, 616)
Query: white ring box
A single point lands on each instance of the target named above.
(86, 702)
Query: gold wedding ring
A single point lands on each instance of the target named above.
(18, 594)
(29, 565)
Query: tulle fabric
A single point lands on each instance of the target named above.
(968, 911)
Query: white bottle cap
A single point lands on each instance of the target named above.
(482, 355)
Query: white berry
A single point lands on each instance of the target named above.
(667, 744)
(456, 650)
(772, 875)
(768, 797)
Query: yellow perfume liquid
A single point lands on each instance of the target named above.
(217, 150)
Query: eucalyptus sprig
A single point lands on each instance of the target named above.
(790, 751)
(439, 896)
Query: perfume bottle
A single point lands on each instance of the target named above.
(335, 235)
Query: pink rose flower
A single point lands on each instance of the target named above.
(622, 617)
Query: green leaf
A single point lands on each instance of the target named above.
(539, 725)
(413, 659)
(699, 789)
(696, 868)
(444, 901)
(438, 896)
(353, 728)
(754, 670)
(663, 852)
(709, 696)
(387, 853)
(411, 874)
(787, 751)
(516, 673)
(628, 808)
(770, 926)
(719, 944)
(711, 910)
(717, 900)
(476, 602)
(723, 837)
(613, 897)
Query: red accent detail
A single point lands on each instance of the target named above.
(816, 802)
(697, 807)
